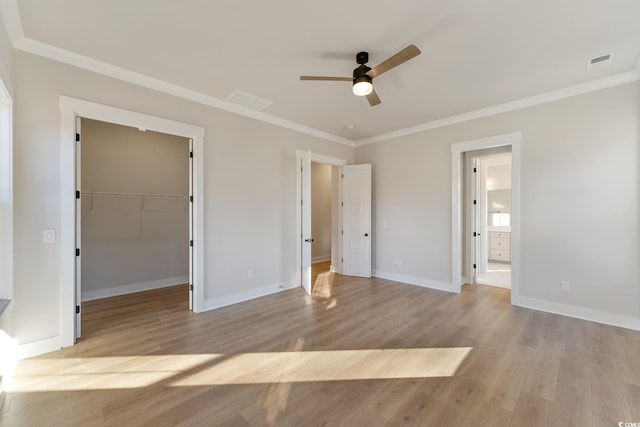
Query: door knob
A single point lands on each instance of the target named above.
(308, 240)
(366, 234)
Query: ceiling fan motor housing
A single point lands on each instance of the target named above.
(362, 57)
(361, 71)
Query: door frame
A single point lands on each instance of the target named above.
(457, 215)
(70, 109)
(316, 158)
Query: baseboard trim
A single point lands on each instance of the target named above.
(134, 287)
(416, 281)
(582, 313)
(39, 347)
(250, 294)
(321, 258)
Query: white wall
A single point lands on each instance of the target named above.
(580, 201)
(131, 244)
(321, 195)
(498, 175)
(6, 190)
(249, 185)
(6, 60)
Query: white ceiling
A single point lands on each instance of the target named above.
(475, 55)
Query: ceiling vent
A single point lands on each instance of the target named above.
(247, 100)
(600, 61)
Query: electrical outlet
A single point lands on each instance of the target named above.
(565, 285)
(250, 274)
(49, 236)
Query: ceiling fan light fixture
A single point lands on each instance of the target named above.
(362, 86)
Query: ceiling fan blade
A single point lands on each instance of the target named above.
(373, 98)
(322, 78)
(401, 57)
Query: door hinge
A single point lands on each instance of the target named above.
(77, 251)
(301, 169)
(341, 231)
(475, 169)
(190, 287)
(474, 234)
(341, 259)
(475, 202)
(191, 154)
(191, 199)
(474, 266)
(77, 309)
(341, 175)
(301, 202)
(77, 194)
(190, 242)
(341, 203)
(77, 137)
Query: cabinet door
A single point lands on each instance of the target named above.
(499, 255)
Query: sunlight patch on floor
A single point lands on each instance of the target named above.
(337, 365)
(323, 285)
(99, 373)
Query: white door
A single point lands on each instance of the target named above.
(356, 220)
(305, 212)
(78, 274)
(190, 224)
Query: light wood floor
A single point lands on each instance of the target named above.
(358, 352)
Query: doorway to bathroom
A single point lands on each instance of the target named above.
(492, 219)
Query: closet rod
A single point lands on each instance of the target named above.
(146, 196)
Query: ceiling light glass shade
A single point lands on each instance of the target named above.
(362, 86)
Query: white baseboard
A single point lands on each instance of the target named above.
(321, 258)
(134, 287)
(39, 347)
(417, 281)
(579, 312)
(226, 300)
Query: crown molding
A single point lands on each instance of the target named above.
(579, 89)
(45, 50)
(13, 24)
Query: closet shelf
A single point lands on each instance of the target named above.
(144, 196)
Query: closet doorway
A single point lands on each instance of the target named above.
(324, 214)
(134, 210)
(72, 110)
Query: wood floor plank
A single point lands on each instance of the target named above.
(356, 352)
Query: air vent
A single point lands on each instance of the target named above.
(247, 100)
(600, 61)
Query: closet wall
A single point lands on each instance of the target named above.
(321, 195)
(135, 237)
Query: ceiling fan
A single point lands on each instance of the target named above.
(363, 76)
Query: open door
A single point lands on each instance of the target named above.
(191, 224)
(475, 221)
(305, 212)
(78, 239)
(356, 220)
